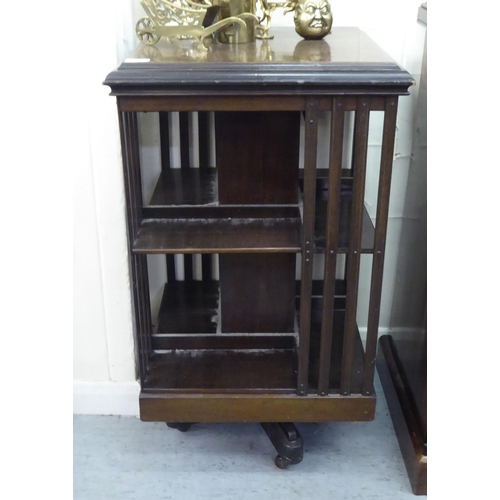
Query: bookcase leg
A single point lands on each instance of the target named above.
(180, 426)
(288, 442)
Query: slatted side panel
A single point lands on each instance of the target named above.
(361, 125)
(132, 176)
(332, 234)
(309, 207)
(379, 242)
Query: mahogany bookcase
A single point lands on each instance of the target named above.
(248, 342)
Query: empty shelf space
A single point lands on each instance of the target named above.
(368, 229)
(218, 235)
(223, 370)
(189, 307)
(187, 186)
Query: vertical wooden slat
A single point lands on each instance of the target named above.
(164, 141)
(204, 155)
(359, 173)
(310, 153)
(131, 168)
(185, 163)
(379, 241)
(165, 164)
(334, 176)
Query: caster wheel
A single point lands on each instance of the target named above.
(180, 426)
(281, 462)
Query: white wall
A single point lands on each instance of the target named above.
(104, 366)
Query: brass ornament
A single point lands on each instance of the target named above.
(185, 19)
(313, 19)
(229, 21)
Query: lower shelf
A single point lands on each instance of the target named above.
(241, 371)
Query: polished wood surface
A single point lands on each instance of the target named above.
(157, 406)
(407, 412)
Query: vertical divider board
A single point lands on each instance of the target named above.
(389, 131)
(132, 177)
(333, 209)
(309, 200)
(361, 125)
(257, 164)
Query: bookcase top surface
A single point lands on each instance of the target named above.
(346, 55)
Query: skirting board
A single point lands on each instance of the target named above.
(106, 398)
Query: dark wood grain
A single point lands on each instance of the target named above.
(156, 406)
(252, 304)
(384, 189)
(332, 235)
(222, 341)
(189, 307)
(190, 186)
(310, 154)
(361, 125)
(257, 157)
(405, 416)
(238, 371)
(217, 235)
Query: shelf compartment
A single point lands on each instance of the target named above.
(240, 371)
(218, 235)
(189, 307)
(336, 353)
(222, 341)
(368, 230)
(186, 186)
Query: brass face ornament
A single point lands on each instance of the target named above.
(313, 19)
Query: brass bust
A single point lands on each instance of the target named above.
(313, 19)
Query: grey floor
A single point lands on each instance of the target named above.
(124, 458)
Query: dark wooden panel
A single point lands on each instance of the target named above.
(384, 189)
(257, 157)
(361, 126)
(189, 307)
(217, 235)
(405, 416)
(164, 407)
(317, 288)
(183, 102)
(222, 341)
(190, 186)
(310, 156)
(257, 292)
(221, 211)
(332, 240)
(223, 370)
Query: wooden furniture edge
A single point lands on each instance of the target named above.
(164, 407)
(410, 442)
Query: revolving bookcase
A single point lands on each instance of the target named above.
(253, 337)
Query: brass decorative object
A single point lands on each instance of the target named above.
(231, 8)
(186, 19)
(268, 7)
(313, 19)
